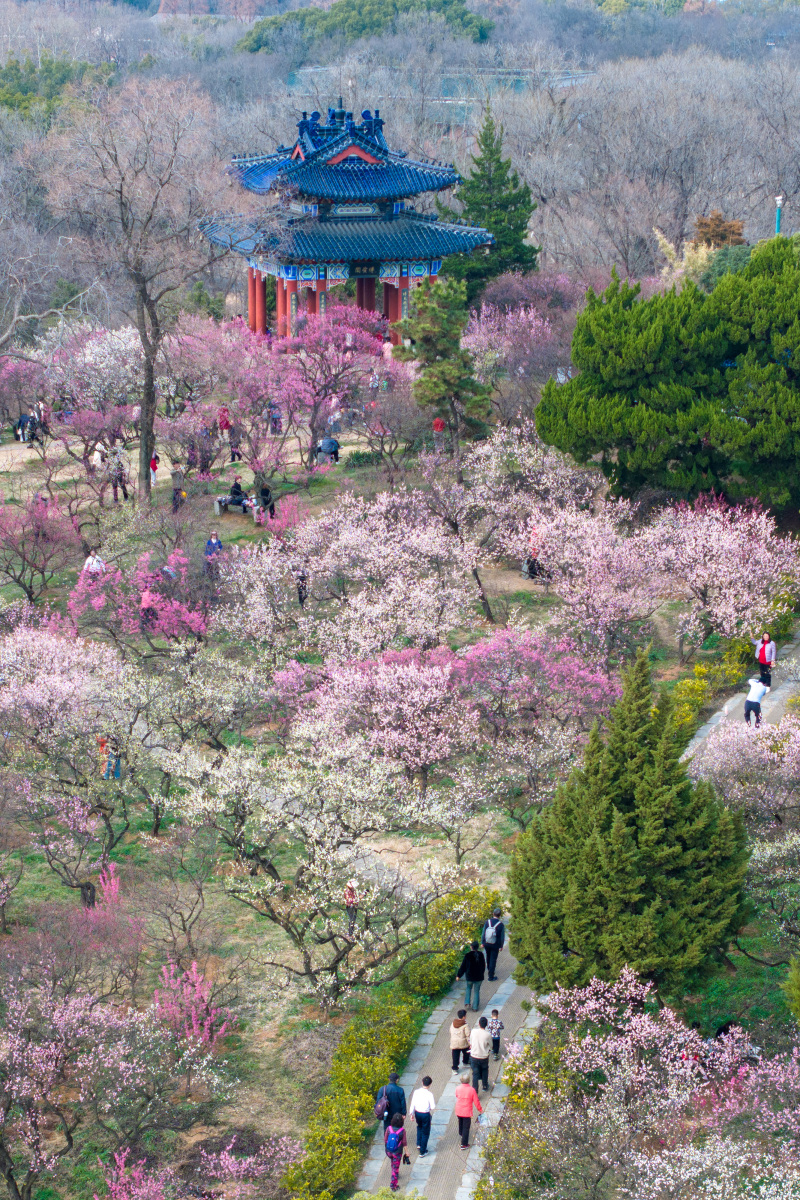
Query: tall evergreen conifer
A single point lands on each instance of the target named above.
(445, 381)
(493, 198)
(631, 864)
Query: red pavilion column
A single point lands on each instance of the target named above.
(368, 292)
(391, 309)
(360, 293)
(278, 306)
(311, 298)
(251, 299)
(261, 303)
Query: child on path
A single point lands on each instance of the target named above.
(459, 1039)
(395, 1141)
(466, 1100)
(496, 1027)
(752, 704)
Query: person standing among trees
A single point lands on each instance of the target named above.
(493, 939)
(766, 656)
(177, 486)
(473, 967)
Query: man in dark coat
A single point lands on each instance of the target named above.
(473, 968)
(395, 1098)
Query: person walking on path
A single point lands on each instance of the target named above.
(473, 967)
(423, 1105)
(766, 656)
(459, 1039)
(752, 704)
(466, 1100)
(496, 1027)
(392, 1099)
(480, 1043)
(493, 939)
(395, 1141)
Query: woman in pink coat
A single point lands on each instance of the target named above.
(466, 1100)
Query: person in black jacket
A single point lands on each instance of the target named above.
(266, 499)
(239, 496)
(493, 939)
(473, 968)
(395, 1098)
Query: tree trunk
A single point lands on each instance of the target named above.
(88, 894)
(485, 605)
(147, 441)
(3, 922)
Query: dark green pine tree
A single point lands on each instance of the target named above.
(445, 381)
(632, 863)
(493, 198)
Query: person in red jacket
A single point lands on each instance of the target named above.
(438, 434)
(466, 1100)
(395, 1141)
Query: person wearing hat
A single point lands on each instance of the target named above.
(493, 939)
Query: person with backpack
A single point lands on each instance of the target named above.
(395, 1141)
(473, 967)
(493, 939)
(390, 1101)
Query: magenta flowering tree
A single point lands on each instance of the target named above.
(736, 571)
(514, 351)
(328, 361)
(251, 1174)
(38, 540)
(183, 1002)
(134, 1181)
(142, 603)
(407, 706)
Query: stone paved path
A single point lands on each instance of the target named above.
(447, 1172)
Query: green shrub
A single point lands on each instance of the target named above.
(454, 921)
(362, 458)
(376, 1042)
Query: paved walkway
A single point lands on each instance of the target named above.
(447, 1172)
(785, 685)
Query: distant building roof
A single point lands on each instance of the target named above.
(342, 161)
(404, 237)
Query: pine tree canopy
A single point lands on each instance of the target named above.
(493, 198)
(445, 381)
(631, 864)
(689, 391)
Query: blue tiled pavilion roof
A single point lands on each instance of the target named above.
(403, 238)
(305, 169)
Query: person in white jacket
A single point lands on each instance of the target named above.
(480, 1044)
(752, 704)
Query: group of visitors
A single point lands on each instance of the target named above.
(478, 960)
(470, 1049)
(766, 657)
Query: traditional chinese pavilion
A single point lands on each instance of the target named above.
(344, 213)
